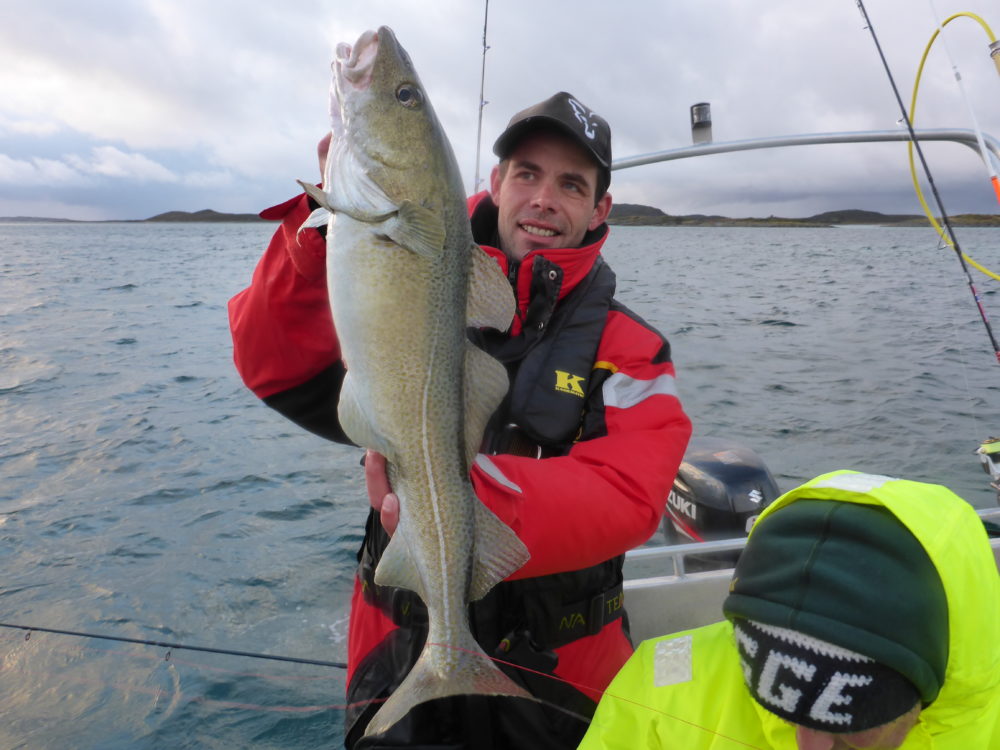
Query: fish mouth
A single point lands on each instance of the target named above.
(355, 64)
(353, 70)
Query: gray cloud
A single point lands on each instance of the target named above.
(215, 105)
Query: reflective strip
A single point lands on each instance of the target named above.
(491, 470)
(860, 483)
(672, 661)
(624, 392)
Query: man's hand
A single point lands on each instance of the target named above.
(380, 494)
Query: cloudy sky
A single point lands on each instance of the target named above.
(122, 109)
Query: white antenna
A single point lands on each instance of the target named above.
(482, 102)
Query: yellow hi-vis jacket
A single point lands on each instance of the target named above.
(686, 691)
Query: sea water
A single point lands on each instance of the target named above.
(145, 493)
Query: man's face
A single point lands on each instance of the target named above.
(886, 737)
(545, 195)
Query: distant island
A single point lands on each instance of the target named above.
(205, 215)
(634, 214)
(630, 214)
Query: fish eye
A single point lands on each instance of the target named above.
(409, 95)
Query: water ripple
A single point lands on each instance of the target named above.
(147, 492)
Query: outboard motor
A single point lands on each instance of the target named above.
(720, 489)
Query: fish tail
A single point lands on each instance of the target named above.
(443, 671)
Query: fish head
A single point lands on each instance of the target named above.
(387, 139)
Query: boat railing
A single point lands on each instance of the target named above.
(677, 599)
(956, 135)
(675, 554)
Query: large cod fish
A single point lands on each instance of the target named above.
(405, 280)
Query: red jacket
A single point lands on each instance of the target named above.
(604, 497)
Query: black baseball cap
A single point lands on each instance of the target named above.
(565, 113)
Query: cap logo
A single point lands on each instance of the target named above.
(584, 115)
(818, 684)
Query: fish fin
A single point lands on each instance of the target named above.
(491, 302)
(443, 670)
(396, 567)
(485, 386)
(355, 422)
(498, 552)
(318, 218)
(317, 194)
(416, 228)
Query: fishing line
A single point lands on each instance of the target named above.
(994, 179)
(170, 658)
(930, 181)
(176, 694)
(589, 689)
(170, 646)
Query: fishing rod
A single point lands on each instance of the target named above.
(930, 181)
(171, 646)
(482, 102)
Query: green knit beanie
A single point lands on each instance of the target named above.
(852, 575)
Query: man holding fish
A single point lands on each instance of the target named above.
(518, 443)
